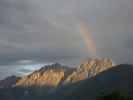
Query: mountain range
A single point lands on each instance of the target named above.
(84, 82)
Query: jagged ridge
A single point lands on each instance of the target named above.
(50, 75)
(56, 74)
(89, 68)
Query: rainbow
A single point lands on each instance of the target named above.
(86, 33)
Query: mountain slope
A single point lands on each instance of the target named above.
(89, 68)
(116, 78)
(99, 79)
(50, 75)
(56, 74)
(9, 82)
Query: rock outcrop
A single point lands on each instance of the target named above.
(50, 76)
(56, 74)
(89, 68)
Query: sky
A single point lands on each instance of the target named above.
(39, 32)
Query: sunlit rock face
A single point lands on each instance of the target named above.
(89, 68)
(51, 76)
(56, 74)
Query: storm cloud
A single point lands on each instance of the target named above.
(48, 30)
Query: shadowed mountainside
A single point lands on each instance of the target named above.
(9, 82)
(117, 77)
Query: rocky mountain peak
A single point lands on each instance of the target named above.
(55, 74)
(89, 68)
(95, 66)
(50, 75)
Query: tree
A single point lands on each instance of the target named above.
(115, 95)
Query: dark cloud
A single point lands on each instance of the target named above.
(47, 30)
